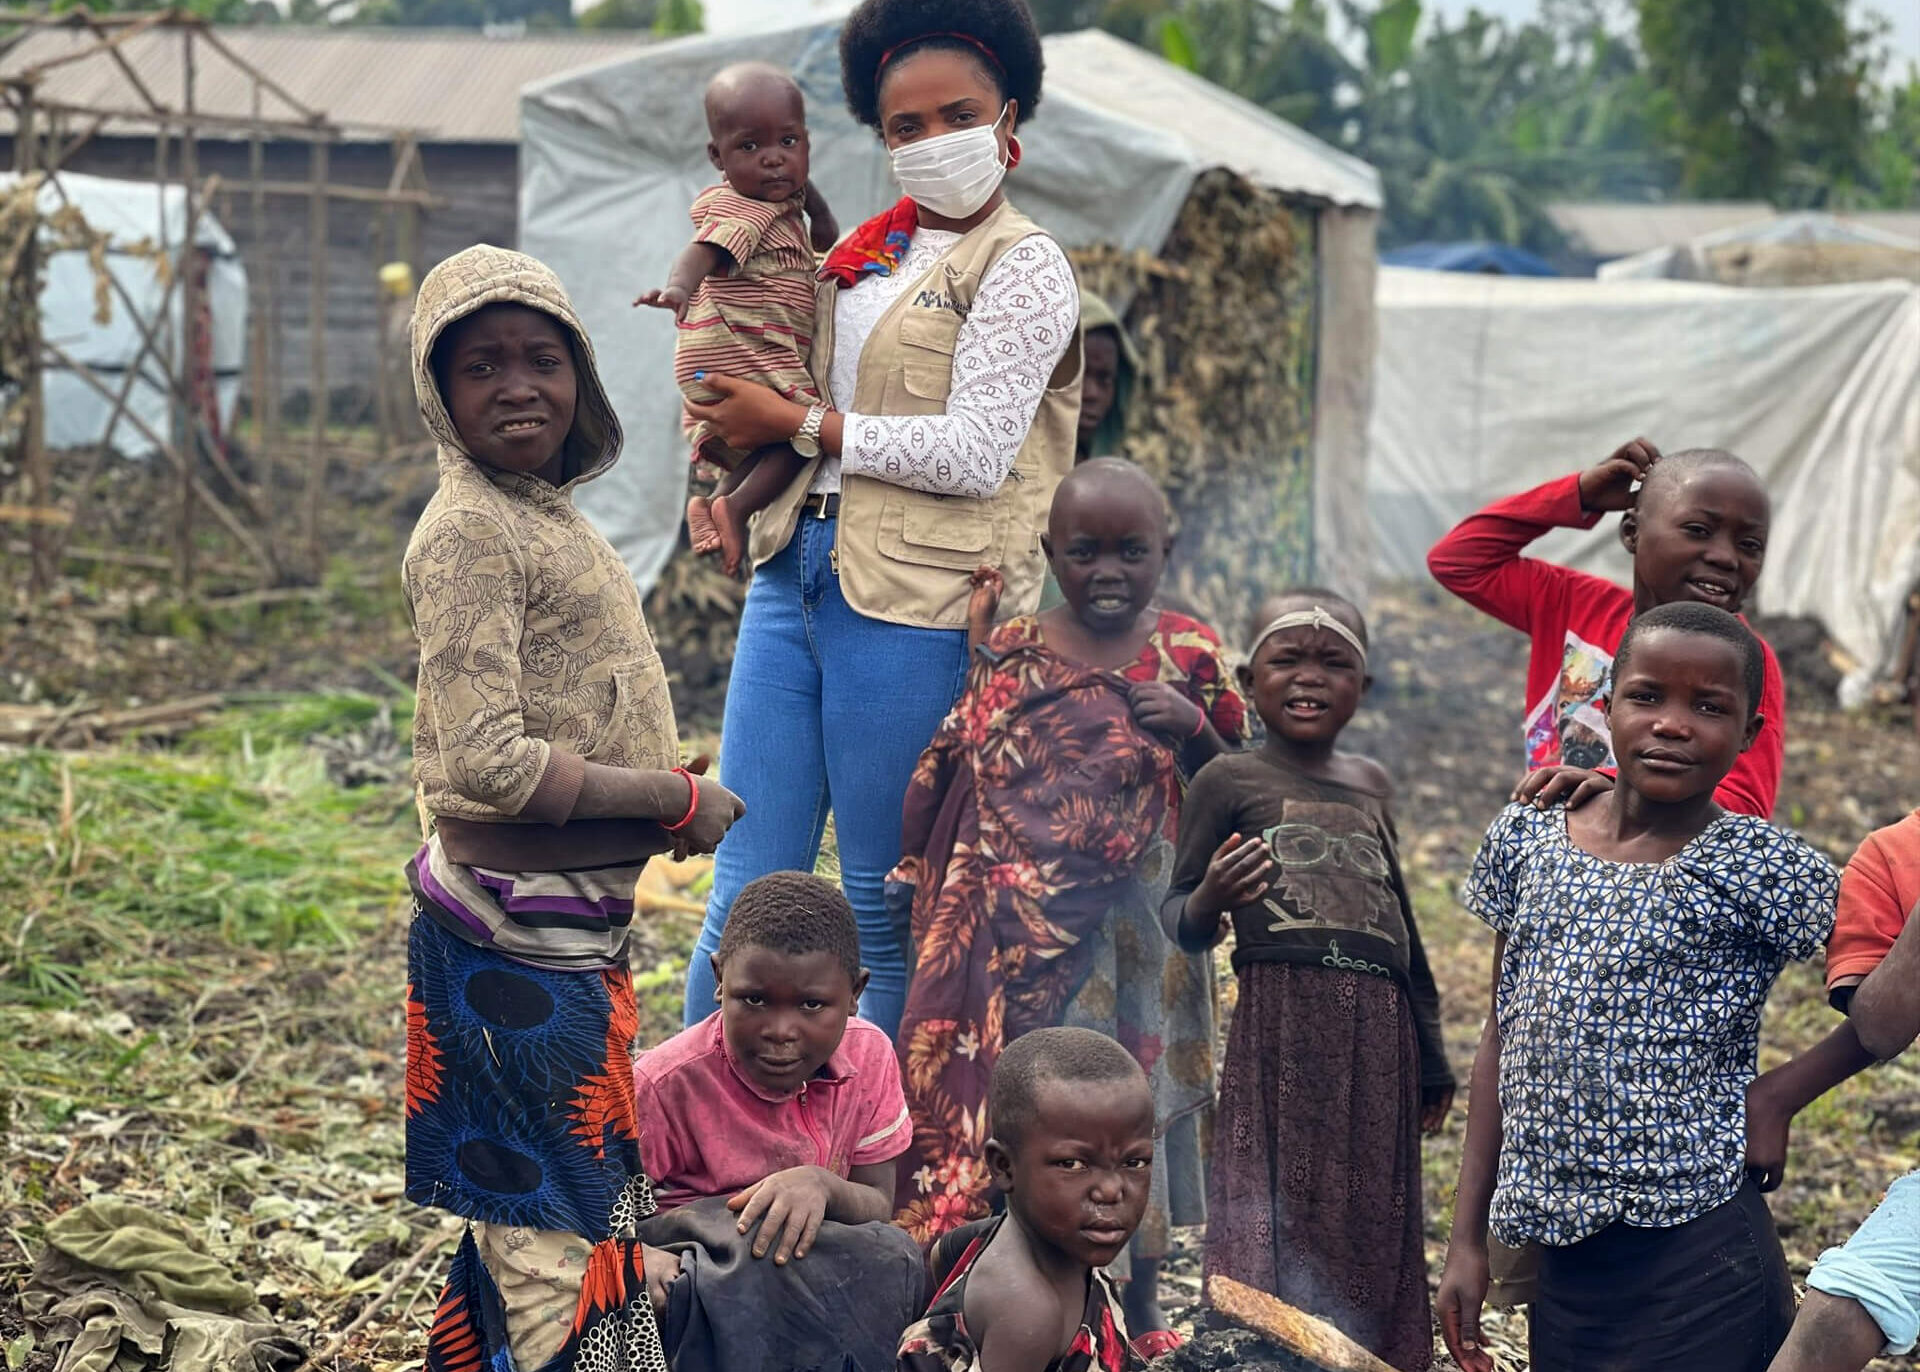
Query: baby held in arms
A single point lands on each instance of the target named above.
(743, 292)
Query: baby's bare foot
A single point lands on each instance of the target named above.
(701, 529)
(730, 528)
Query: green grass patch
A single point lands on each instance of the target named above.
(111, 860)
(268, 721)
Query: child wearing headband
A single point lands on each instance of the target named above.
(1334, 1064)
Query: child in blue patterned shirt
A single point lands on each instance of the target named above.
(1638, 937)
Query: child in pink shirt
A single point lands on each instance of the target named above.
(780, 1084)
(770, 1130)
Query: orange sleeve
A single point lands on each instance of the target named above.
(1871, 912)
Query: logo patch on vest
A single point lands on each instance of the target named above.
(931, 299)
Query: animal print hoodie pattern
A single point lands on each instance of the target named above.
(534, 655)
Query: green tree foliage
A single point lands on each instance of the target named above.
(620, 14)
(466, 14)
(1893, 147)
(679, 16)
(1477, 124)
(1764, 99)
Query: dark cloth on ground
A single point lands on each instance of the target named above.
(1710, 1295)
(119, 1288)
(841, 1308)
(1314, 1193)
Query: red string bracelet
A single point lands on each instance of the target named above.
(693, 803)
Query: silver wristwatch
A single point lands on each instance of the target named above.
(807, 441)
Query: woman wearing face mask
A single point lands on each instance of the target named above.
(947, 354)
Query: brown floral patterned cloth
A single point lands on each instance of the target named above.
(1038, 831)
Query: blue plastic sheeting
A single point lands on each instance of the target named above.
(1496, 258)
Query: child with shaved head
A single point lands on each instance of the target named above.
(1038, 840)
(1072, 1151)
(743, 289)
(1696, 525)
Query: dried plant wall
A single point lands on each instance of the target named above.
(1226, 324)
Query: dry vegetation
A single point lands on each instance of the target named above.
(202, 944)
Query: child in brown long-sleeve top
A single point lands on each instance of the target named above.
(545, 756)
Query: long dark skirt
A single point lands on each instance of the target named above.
(521, 1112)
(1711, 1295)
(1314, 1194)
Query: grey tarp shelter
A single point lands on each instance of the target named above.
(613, 155)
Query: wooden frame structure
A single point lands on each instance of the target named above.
(47, 133)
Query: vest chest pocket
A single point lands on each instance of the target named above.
(928, 337)
(957, 538)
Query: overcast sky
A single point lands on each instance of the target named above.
(1905, 14)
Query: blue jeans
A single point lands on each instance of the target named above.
(827, 710)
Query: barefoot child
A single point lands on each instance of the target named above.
(1697, 530)
(743, 290)
(545, 758)
(1072, 1150)
(769, 1131)
(1038, 837)
(1334, 1063)
(1638, 938)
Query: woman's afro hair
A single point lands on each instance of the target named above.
(893, 29)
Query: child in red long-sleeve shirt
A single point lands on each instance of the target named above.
(1696, 523)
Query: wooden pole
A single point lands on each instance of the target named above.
(259, 295)
(43, 565)
(383, 416)
(185, 400)
(317, 344)
(234, 524)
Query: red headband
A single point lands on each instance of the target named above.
(966, 38)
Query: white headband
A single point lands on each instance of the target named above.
(1316, 618)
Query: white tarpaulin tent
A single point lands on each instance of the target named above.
(131, 214)
(1488, 385)
(613, 155)
(1683, 261)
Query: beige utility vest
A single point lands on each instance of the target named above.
(906, 556)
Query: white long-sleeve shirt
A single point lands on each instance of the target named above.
(1021, 323)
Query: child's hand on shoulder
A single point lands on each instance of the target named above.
(666, 298)
(789, 1207)
(1236, 875)
(1609, 485)
(1159, 707)
(1575, 785)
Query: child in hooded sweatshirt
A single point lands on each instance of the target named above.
(545, 756)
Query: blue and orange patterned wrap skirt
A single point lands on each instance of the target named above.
(520, 1112)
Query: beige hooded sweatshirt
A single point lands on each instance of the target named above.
(534, 655)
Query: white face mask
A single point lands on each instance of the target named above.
(952, 175)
